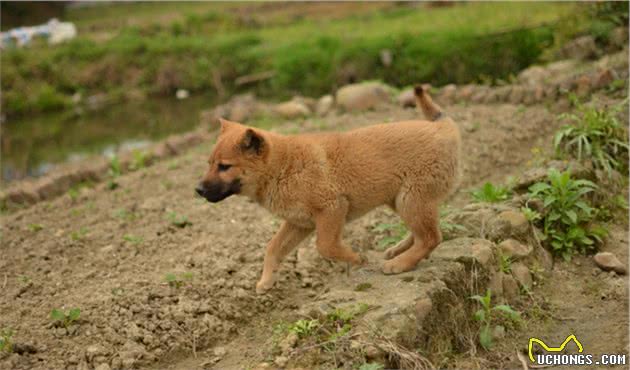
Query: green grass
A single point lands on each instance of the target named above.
(462, 43)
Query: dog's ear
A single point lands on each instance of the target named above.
(225, 124)
(253, 142)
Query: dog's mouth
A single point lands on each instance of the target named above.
(215, 192)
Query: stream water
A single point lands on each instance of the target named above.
(32, 146)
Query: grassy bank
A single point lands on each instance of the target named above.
(203, 47)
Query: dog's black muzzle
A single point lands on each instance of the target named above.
(217, 191)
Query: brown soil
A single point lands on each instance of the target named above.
(107, 253)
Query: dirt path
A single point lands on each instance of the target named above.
(108, 253)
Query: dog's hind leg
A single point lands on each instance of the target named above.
(422, 217)
(402, 246)
(329, 225)
(286, 239)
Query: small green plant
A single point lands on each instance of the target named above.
(304, 328)
(79, 234)
(490, 193)
(35, 227)
(371, 366)
(178, 220)
(24, 279)
(395, 233)
(567, 225)
(139, 161)
(596, 134)
(114, 172)
(132, 239)
(65, 318)
(530, 214)
(6, 345)
(175, 281)
(123, 214)
(73, 193)
(505, 263)
(486, 316)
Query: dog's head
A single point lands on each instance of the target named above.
(235, 163)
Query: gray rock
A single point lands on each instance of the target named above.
(324, 105)
(581, 48)
(522, 275)
(510, 287)
(292, 109)
(496, 285)
(281, 361)
(406, 98)
(515, 249)
(609, 262)
(363, 96)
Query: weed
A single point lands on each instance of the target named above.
(530, 214)
(35, 227)
(133, 239)
(65, 318)
(175, 281)
(485, 316)
(490, 193)
(178, 220)
(139, 161)
(79, 234)
(304, 328)
(123, 214)
(362, 287)
(596, 134)
(24, 279)
(505, 263)
(567, 221)
(6, 344)
(371, 366)
(395, 233)
(114, 172)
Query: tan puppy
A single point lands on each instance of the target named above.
(318, 182)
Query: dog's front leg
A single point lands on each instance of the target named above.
(329, 225)
(285, 240)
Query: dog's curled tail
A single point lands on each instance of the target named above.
(432, 111)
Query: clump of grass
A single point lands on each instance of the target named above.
(490, 193)
(114, 172)
(79, 234)
(175, 281)
(6, 344)
(140, 159)
(133, 239)
(178, 220)
(595, 134)
(505, 263)
(35, 227)
(487, 317)
(394, 232)
(567, 220)
(63, 318)
(304, 328)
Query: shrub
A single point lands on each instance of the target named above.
(567, 216)
(595, 134)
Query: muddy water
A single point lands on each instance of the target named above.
(32, 146)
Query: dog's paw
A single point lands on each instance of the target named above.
(396, 267)
(263, 286)
(391, 252)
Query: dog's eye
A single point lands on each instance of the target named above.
(224, 167)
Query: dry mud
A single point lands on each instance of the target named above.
(108, 252)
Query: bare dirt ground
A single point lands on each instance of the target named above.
(108, 252)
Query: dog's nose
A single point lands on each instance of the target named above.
(200, 190)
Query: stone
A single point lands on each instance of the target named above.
(533, 76)
(466, 92)
(545, 259)
(406, 98)
(386, 57)
(182, 94)
(609, 262)
(618, 37)
(522, 275)
(363, 96)
(498, 332)
(496, 285)
(508, 224)
(515, 249)
(447, 93)
(510, 287)
(324, 105)
(423, 308)
(482, 252)
(219, 351)
(581, 48)
(102, 366)
(582, 85)
(95, 350)
(603, 78)
(281, 361)
(288, 343)
(292, 109)
(517, 95)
